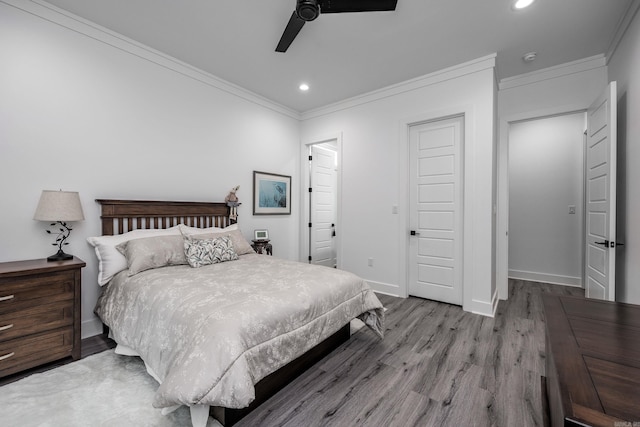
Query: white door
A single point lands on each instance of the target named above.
(601, 197)
(436, 173)
(323, 206)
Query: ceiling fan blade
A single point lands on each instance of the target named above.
(340, 6)
(290, 32)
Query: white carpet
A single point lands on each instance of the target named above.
(101, 390)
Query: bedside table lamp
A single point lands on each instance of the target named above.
(59, 207)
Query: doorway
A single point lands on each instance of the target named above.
(546, 199)
(599, 223)
(323, 201)
(320, 234)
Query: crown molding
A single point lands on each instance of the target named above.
(565, 69)
(55, 15)
(449, 73)
(622, 27)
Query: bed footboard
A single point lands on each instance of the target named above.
(276, 381)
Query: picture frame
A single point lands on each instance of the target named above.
(271, 194)
(261, 234)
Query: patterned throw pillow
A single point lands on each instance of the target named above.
(201, 252)
(240, 244)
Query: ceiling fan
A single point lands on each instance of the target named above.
(308, 10)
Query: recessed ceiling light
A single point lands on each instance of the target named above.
(528, 57)
(304, 87)
(521, 4)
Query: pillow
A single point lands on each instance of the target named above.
(201, 252)
(152, 252)
(187, 230)
(240, 244)
(110, 260)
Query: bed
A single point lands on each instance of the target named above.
(220, 338)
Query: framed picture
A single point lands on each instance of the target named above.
(271, 194)
(261, 234)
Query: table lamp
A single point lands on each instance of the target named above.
(59, 207)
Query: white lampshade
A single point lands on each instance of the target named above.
(59, 206)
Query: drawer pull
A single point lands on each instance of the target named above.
(6, 356)
(4, 328)
(8, 297)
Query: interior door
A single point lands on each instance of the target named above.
(601, 197)
(436, 173)
(323, 206)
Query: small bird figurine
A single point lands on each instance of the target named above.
(233, 203)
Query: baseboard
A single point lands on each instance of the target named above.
(91, 328)
(385, 288)
(546, 278)
(485, 308)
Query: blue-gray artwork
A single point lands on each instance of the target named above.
(273, 194)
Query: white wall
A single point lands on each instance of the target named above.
(82, 109)
(624, 67)
(566, 88)
(375, 178)
(545, 177)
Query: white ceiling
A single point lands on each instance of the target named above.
(344, 55)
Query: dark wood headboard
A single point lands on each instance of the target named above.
(120, 216)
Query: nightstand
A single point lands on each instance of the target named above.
(39, 312)
(262, 247)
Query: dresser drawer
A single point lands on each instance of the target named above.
(19, 293)
(35, 319)
(24, 353)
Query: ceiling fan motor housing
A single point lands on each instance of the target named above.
(307, 10)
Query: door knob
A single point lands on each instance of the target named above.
(414, 233)
(605, 243)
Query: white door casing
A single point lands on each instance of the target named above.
(323, 206)
(436, 210)
(601, 197)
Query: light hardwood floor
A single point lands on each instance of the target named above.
(437, 366)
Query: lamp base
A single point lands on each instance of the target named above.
(59, 256)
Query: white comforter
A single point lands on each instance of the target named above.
(211, 333)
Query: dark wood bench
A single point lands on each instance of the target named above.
(592, 362)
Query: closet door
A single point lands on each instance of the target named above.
(436, 194)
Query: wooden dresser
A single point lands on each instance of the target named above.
(39, 313)
(592, 362)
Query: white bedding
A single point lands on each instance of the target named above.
(210, 333)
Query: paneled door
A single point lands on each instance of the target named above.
(601, 197)
(436, 195)
(322, 230)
